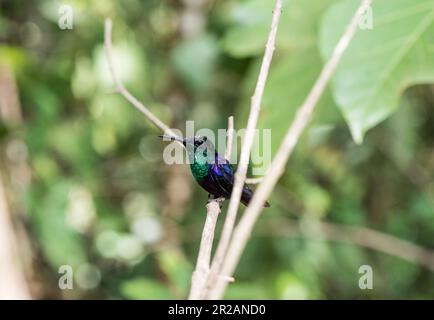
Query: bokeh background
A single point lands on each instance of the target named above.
(82, 177)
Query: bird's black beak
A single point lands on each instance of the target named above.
(172, 138)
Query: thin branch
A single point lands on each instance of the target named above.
(244, 228)
(204, 257)
(120, 87)
(229, 138)
(201, 272)
(240, 175)
(13, 284)
(361, 236)
(14, 174)
(213, 208)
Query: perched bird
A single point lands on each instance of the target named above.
(213, 172)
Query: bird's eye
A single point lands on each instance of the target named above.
(200, 141)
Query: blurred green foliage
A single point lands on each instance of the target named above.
(101, 198)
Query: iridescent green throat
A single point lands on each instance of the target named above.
(200, 166)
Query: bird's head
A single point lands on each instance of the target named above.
(194, 145)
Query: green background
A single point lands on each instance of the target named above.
(100, 198)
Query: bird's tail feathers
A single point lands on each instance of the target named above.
(247, 195)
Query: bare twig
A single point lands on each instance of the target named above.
(240, 175)
(201, 272)
(120, 87)
(204, 257)
(14, 177)
(213, 207)
(244, 228)
(13, 284)
(230, 138)
(361, 236)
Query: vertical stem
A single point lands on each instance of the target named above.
(245, 226)
(240, 175)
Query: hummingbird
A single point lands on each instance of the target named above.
(211, 171)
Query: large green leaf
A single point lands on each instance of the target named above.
(380, 63)
(296, 65)
(288, 85)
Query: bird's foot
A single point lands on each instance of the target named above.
(219, 200)
(210, 198)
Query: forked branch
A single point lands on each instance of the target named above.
(244, 228)
(240, 175)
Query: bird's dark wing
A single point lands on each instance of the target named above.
(222, 175)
